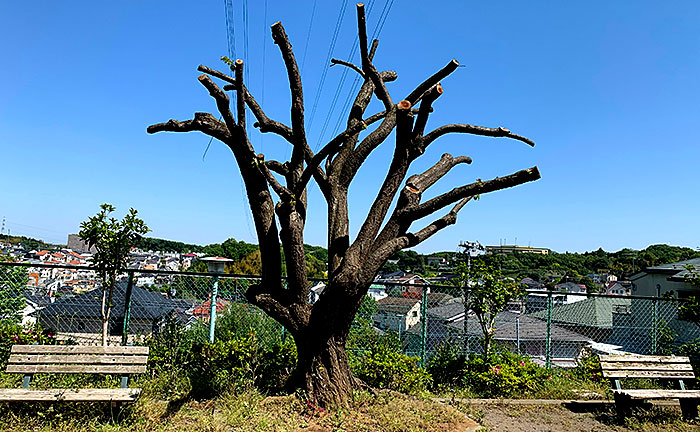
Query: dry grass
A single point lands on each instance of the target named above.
(248, 411)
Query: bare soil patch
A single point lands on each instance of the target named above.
(501, 417)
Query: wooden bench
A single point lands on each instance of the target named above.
(113, 360)
(669, 368)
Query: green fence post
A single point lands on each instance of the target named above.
(212, 312)
(423, 323)
(127, 308)
(655, 322)
(548, 341)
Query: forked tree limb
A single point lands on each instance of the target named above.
(421, 182)
(411, 194)
(426, 107)
(278, 167)
(264, 123)
(385, 250)
(222, 102)
(281, 191)
(477, 188)
(202, 122)
(367, 66)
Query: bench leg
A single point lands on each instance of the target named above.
(689, 408)
(623, 404)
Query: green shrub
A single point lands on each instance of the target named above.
(276, 364)
(223, 365)
(386, 367)
(447, 366)
(504, 374)
(587, 368)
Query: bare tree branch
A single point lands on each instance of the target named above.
(426, 107)
(367, 66)
(473, 130)
(263, 122)
(411, 195)
(277, 167)
(240, 95)
(348, 64)
(202, 122)
(281, 191)
(222, 101)
(416, 94)
(477, 188)
(297, 112)
(421, 182)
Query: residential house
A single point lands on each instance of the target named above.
(80, 315)
(593, 317)
(619, 288)
(397, 313)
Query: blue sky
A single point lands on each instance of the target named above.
(608, 90)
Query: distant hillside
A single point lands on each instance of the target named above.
(30, 243)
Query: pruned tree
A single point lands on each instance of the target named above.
(277, 195)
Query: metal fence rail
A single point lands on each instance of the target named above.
(553, 328)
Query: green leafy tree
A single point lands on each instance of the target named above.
(13, 280)
(689, 310)
(112, 239)
(490, 293)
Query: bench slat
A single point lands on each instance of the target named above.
(79, 349)
(660, 394)
(74, 395)
(648, 374)
(647, 366)
(74, 369)
(76, 358)
(643, 358)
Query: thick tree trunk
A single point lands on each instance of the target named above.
(323, 371)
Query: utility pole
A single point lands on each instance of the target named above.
(470, 248)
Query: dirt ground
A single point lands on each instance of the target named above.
(502, 417)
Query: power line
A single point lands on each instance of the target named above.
(353, 89)
(308, 36)
(331, 47)
(262, 100)
(341, 82)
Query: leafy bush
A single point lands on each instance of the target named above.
(447, 366)
(502, 374)
(587, 368)
(386, 367)
(15, 334)
(276, 364)
(182, 361)
(223, 365)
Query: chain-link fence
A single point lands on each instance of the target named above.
(553, 328)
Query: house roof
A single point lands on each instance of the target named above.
(676, 271)
(526, 329)
(592, 312)
(144, 304)
(449, 312)
(396, 304)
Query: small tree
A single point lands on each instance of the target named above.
(490, 293)
(113, 239)
(689, 310)
(13, 281)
